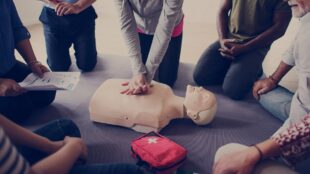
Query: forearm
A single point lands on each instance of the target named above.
(60, 162)
(24, 137)
(222, 18)
(25, 50)
(83, 4)
(269, 148)
(130, 35)
(277, 30)
(222, 24)
(281, 71)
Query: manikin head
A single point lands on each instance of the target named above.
(200, 105)
(299, 7)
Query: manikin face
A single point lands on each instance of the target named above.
(200, 105)
(299, 7)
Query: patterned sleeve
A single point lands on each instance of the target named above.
(11, 162)
(295, 142)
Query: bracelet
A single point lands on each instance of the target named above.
(261, 156)
(33, 62)
(273, 79)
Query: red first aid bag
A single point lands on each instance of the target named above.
(157, 153)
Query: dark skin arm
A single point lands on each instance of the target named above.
(222, 21)
(281, 21)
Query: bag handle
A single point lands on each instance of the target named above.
(150, 134)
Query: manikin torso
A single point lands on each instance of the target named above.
(150, 112)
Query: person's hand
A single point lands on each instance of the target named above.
(64, 8)
(137, 86)
(78, 143)
(238, 162)
(38, 69)
(230, 48)
(10, 87)
(263, 86)
(224, 43)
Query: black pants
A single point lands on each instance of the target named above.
(168, 69)
(237, 77)
(20, 107)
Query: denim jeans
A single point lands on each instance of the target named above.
(18, 108)
(58, 41)
(58, 130)
(167, 72)
(277, 102)
(236, 77)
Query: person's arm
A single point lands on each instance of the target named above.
(62, 161)
(267, 84)
(138, 83)
(25, 50)
(222, 20)
(64, 153)
(162, 36)
(22, 43)
(281, 21)
(243, 160)
(24, 137)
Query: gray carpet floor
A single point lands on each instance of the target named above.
(236, 121)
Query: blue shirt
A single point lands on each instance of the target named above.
(72, 22)
(12, 31)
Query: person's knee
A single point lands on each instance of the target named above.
(48, 97)
(197, 76)
(88, 63)
(69, 128)
(234, 93)
(58, 66)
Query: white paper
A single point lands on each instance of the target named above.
(51, 81)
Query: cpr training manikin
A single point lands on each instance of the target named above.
(152, 111)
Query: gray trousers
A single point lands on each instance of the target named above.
(236, 77)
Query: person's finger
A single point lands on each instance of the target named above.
(138, 91)
(68, 11)
(230, 40)
(129, 92)
(227, 56)
(125, 84)
(255, 90)
(262, 91)
(125, 91)
(63, 10)
(44, 69)
(145, 88)
(58, 8)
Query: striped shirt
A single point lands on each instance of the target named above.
(11, 162)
